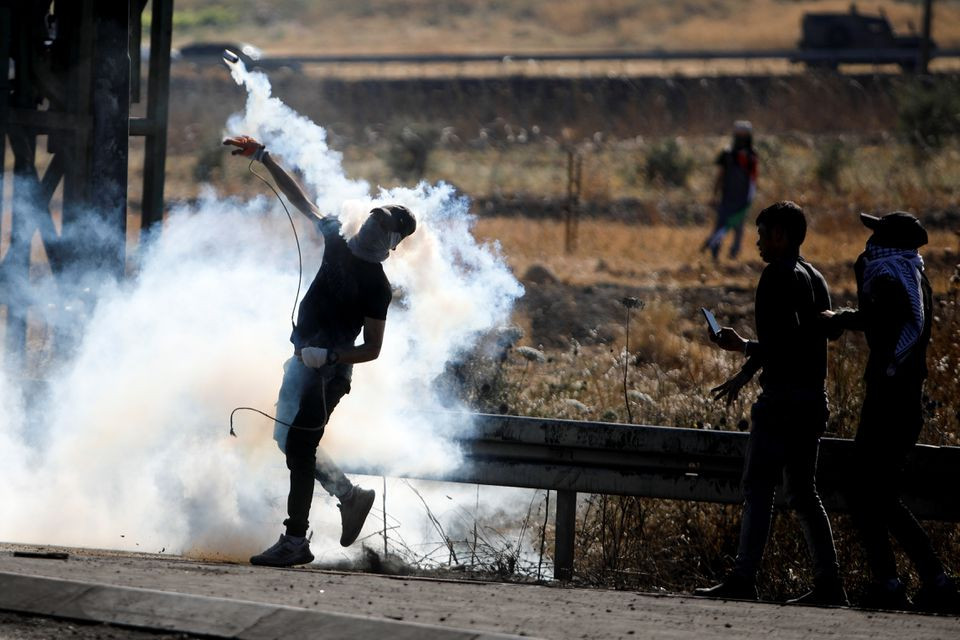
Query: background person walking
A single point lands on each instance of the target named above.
(734, 189)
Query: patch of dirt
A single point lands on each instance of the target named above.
(593, 314)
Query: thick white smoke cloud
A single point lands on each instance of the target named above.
(134, 452)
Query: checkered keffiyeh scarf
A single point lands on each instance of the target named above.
(904, 266)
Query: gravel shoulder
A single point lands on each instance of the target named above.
(533, 610)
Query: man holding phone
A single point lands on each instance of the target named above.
(791, 412)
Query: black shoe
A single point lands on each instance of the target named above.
(880, 596)
(353, 513)
(284, 553)
(825, 593)
(934, 598)
(733, 588)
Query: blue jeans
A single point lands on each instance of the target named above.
(307, 398)
(784, 443)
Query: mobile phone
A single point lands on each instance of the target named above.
(711, 321)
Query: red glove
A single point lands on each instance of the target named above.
(247, 147)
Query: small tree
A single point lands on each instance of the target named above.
(667, 161)
(832, 158)
(929, 114)
(410, 148)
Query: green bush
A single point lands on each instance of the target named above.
(409, 152)
(668, 162)
(215, 16)
(832, 158)
(928, 115)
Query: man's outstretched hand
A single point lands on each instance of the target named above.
(246, 146)
(728, 340)
(731, 388)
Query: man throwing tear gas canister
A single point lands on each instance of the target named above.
(348, 296)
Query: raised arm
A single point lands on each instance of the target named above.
(250, 148)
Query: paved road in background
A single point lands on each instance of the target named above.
(531, 610)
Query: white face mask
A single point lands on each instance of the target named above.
(372, 242)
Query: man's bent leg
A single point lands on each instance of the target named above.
(355, 503)
(327, 473)
(330, 477)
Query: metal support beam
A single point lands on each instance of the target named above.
(566, 533)
(16, 263)
(158, 95)
(135, 36)
(106, 248)
(73, 85)
(5, 26)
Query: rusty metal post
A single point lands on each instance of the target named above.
(158, 96)
(109, 151)
(574, 181)
(566, 534)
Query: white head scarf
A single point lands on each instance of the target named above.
(372, 242)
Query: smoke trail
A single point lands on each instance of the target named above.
(135, 452)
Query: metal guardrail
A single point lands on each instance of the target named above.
(571, 457)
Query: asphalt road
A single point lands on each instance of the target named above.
(532, 610)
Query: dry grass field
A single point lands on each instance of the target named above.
(417, 26)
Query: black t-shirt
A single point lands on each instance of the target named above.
(792, 346)
(345, 290)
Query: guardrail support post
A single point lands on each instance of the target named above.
(566, 529)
